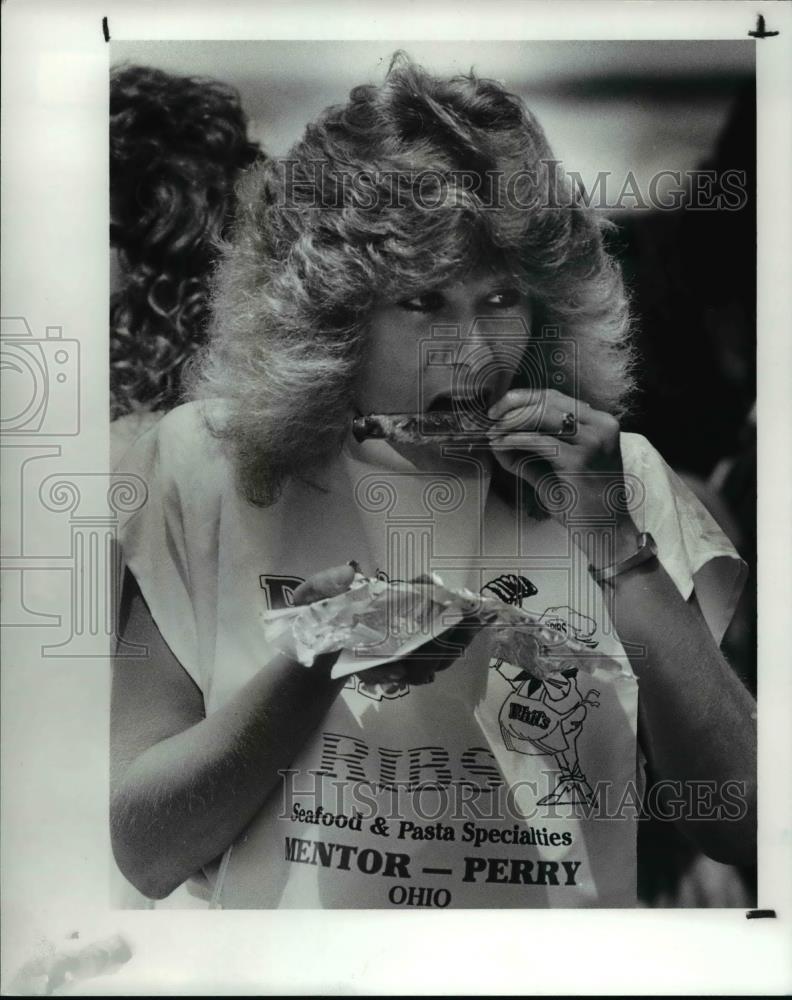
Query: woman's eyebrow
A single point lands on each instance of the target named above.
(505, 285)
(429, 290)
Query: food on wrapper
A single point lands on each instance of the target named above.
(538, 650)
(380, 620)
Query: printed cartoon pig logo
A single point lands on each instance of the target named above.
(546, 717)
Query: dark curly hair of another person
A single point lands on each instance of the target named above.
(177, 147)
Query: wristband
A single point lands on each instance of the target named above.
(647, 549)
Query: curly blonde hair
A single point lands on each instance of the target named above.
(416, 181)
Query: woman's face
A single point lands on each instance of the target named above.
(462, 340)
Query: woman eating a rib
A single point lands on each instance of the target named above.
(418, 361)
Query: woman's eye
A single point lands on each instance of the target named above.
(504, 298)
(427, 302)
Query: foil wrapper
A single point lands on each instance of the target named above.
(378, 621)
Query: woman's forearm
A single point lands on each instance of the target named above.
(181, 802)
(697, 720)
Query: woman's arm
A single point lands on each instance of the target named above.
(697, 721)
(183, 785)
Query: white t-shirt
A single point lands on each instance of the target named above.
(485, 788)
(124, 431)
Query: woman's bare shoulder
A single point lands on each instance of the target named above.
(189, 443)
(181, 459)
(201, 420)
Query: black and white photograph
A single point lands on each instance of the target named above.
(396, 500)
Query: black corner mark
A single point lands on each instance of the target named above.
(760, 29)
(105, 29)
(758, 914)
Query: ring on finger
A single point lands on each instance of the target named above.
(568, 423)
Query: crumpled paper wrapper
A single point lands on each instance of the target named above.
(378, 621)
(56, 970)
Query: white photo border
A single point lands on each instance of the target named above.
(55, 274)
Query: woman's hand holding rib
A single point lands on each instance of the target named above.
(697, 721)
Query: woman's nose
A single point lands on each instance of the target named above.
(488, 357)
(476, 352)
